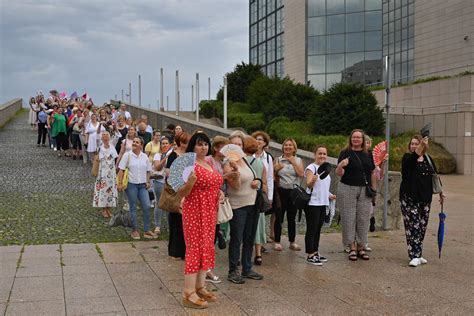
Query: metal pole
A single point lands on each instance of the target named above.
(122, 95)
(129, 93)
(139, 90)
(167, 103)
(192, 98)
(179, 95)
(209, 88)
(197, 97)
(161, 90)
(225, 102)
(176, 97)
(388, 83)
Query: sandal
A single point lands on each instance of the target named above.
(295, 247)
(198, 304)
(258, 260)
(203, 293)
(277, 247)
(363, 255)
(353, 255)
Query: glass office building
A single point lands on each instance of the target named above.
(344, 42)
(266, 35)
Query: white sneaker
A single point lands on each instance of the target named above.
(423, 260)
(415, 262)
(55, 149)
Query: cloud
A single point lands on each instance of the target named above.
(100, 46)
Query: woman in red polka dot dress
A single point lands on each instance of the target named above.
(202, 196)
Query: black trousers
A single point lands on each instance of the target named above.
(286, 207)
(42, 131)
(176, 245)
(314, 222)
(62, 142)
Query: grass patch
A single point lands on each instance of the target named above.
(99, 251)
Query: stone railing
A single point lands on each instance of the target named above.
(162, 119)
(9, 109)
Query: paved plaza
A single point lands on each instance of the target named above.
(66, 277)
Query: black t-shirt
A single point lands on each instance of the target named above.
(170, 159)
(353, 171)
(417, 178)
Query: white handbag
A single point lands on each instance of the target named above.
(224, 213)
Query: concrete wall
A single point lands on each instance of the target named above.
(448, 104)
(294, 39)
(440, 28)
(9, 109)
(161, 120)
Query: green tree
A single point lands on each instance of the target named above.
(281, 97)
(345, 107)
(239, 80)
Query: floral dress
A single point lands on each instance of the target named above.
(199, 220)
(105, 190)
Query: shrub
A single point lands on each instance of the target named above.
(347, 106)
(239, 80)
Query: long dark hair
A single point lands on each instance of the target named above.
(197, 138)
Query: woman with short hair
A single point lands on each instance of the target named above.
(289, 170)
(105, 189)
(139, 168)
(356, 169)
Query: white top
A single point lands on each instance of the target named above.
(287, 174)
(138, 166)
(320, 195)
(126, 114)
(157, 157)
(105, 152)
(149, 129)
(268, 163)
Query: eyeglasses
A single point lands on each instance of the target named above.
(260, 139)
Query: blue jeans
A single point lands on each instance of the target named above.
(134, 192)
(158, 214)
(243, 227)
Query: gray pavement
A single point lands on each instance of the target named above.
(138, 278)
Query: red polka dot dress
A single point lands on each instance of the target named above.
(199, 220)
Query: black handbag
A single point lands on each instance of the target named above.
(121, 219)
(299, 197)
(262, 204)
(369, 192)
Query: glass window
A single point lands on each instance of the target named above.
(335, 24)
(316, 64)
(335, 43)
(253, 12)
(404, 11)
(391, 4)
(271, 50)
(271, 25)
(398, 25)
(411, 31)
(316, 7)
(253, 56)
(279, 47)
(373, 40)
(398, 14)
(355, 22)
(354, 5)
(317, 26)
(279, 21)
(411, 20)
(270, 6)
(253, 35)
(410, 54)
(404, 70)
(354, 58)
(262, 53)
(316, 45)
(376, 55)
(385, 18)
(279, 69)
(262, 31)
(354, 42)
(279, 3)
(317, 81)
(271, 70)
(411, 42)
(261, 8)
(385, 29)
(385, 50)
(373, 21)
(332, 79)
(404, 45)
(411, 69)
(373, 5)
(334, 63)
(335, 6)
(398, 3)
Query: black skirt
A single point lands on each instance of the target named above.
(176, 245)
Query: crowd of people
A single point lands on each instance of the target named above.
(129, 147)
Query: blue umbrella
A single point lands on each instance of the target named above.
(442, 218)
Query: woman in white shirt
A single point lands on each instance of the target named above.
(315, 212)
(93, 130)
(139, 168)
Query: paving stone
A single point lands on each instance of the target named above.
(46, 308)
(10, 249)
(157, 301)
(29, 293)
(139, 288)
(9, 257)
(3, 306)
(5, 288)
(80, 253)
(88, 269)
(88, 286)
(117, 268)
(170, 312)
(33, 270)
(77, 247)
(69, 261)
(94, 305)
(41, 261)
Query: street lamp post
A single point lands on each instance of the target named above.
(161, 90)
(225, 102)
(388, 83)
(139, 90)
(197, 97)
(130, 93)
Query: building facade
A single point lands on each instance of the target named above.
(322, 42)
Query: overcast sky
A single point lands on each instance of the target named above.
(99, 46)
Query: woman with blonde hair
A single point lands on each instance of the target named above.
(354, 193)
(289, 170)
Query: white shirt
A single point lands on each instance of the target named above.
(320, 195)
(138, 166)
(149, 129)
(268, 163)
(126, 114)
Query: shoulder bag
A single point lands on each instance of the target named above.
(262, 203)
(436, 180)
(369, 192)
(299, 197)
(224, 213)
(95, 164)
(125, 174)
(169, 201)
